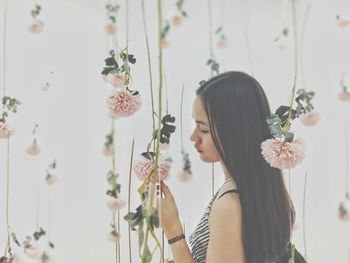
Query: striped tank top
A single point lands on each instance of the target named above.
(199, 239)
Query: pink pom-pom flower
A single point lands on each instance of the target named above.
(117, 80)
(113, 236)
(310, 118)
(33, 251)
(108, 151)
(184, 176)
(344, 210)
(281, 154)
(344, 96)
(144, 167)
(115, 203)
(341, 22)
(6, 131)
(222, 43)
(123, 103)
(45, 87)
(110, 28)
(51, 179)
(33, 149)
(176, 20)
(36, 26)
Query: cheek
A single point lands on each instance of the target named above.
(210, 152)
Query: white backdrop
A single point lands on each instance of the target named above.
(73, 120)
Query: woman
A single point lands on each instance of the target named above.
(250, 217)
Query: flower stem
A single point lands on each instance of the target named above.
(181, 125)
(304, 211)
(287, 125)
(129, 192)
(8, 248)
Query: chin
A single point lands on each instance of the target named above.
(208, 159)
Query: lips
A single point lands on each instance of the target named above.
(198, 150)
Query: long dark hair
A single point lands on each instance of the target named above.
(237, 109)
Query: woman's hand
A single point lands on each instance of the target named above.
(169, 215)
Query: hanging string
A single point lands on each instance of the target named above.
(4, 52)
(149, 63)
(210, 27)
(181, 124)
(304, 213)
(129, 195)
(302, 37)
(347, 195)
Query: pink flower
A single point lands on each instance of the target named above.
(115, 203)
(33, 251)
(311, 118)
(176, 20)
(344, 96)
(184, 176)
(144, 167)
(33, 149)
(110, 28)
(343, 22)
(6, 130)
(113, 236)
(36, 27)
(46, 87)
(117, 80)
(283, 155)
(51, 179)
(123, 103)
(165, 43)
(344, 211)
(108, 151)
(222, 43)
(164, 146)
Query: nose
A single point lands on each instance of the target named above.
(193, 136)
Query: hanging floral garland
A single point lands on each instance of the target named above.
(37, 25)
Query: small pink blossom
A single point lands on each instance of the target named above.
(33, 149)
(46, 87)
(283, 155)
(176, 20)
(144, 167)
(344, 211)
(344, 96)
(164, 146)
(51, 179)
(6, 130)
(222, 43)
(123, 103)
(184, 176)
(108, 151)
(113, 236)
(33, 251)
(165, 43)
(343, 22)
(115, 203)
(311, 118)
(110, 28)
(117, 80)
(36, 27)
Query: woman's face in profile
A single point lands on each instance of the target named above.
(201, 135)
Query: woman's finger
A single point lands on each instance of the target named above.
(165, 189)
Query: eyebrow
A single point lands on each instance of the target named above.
(201, 122)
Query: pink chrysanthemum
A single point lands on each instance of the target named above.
(45, 87)
(283, 155)
(110, 28)
(344, 211)
(33, 149)
(176, 20)
(222, 43)
(113, 236)
(6, 130)
(184, 176)
(144, 167)
(108, 151)
(343, 22)
(33, 251)
(311, 118)
(51, 179)
(117, 80)
(36, 27)
(123, 103)
(344, 96)
(115, 203)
